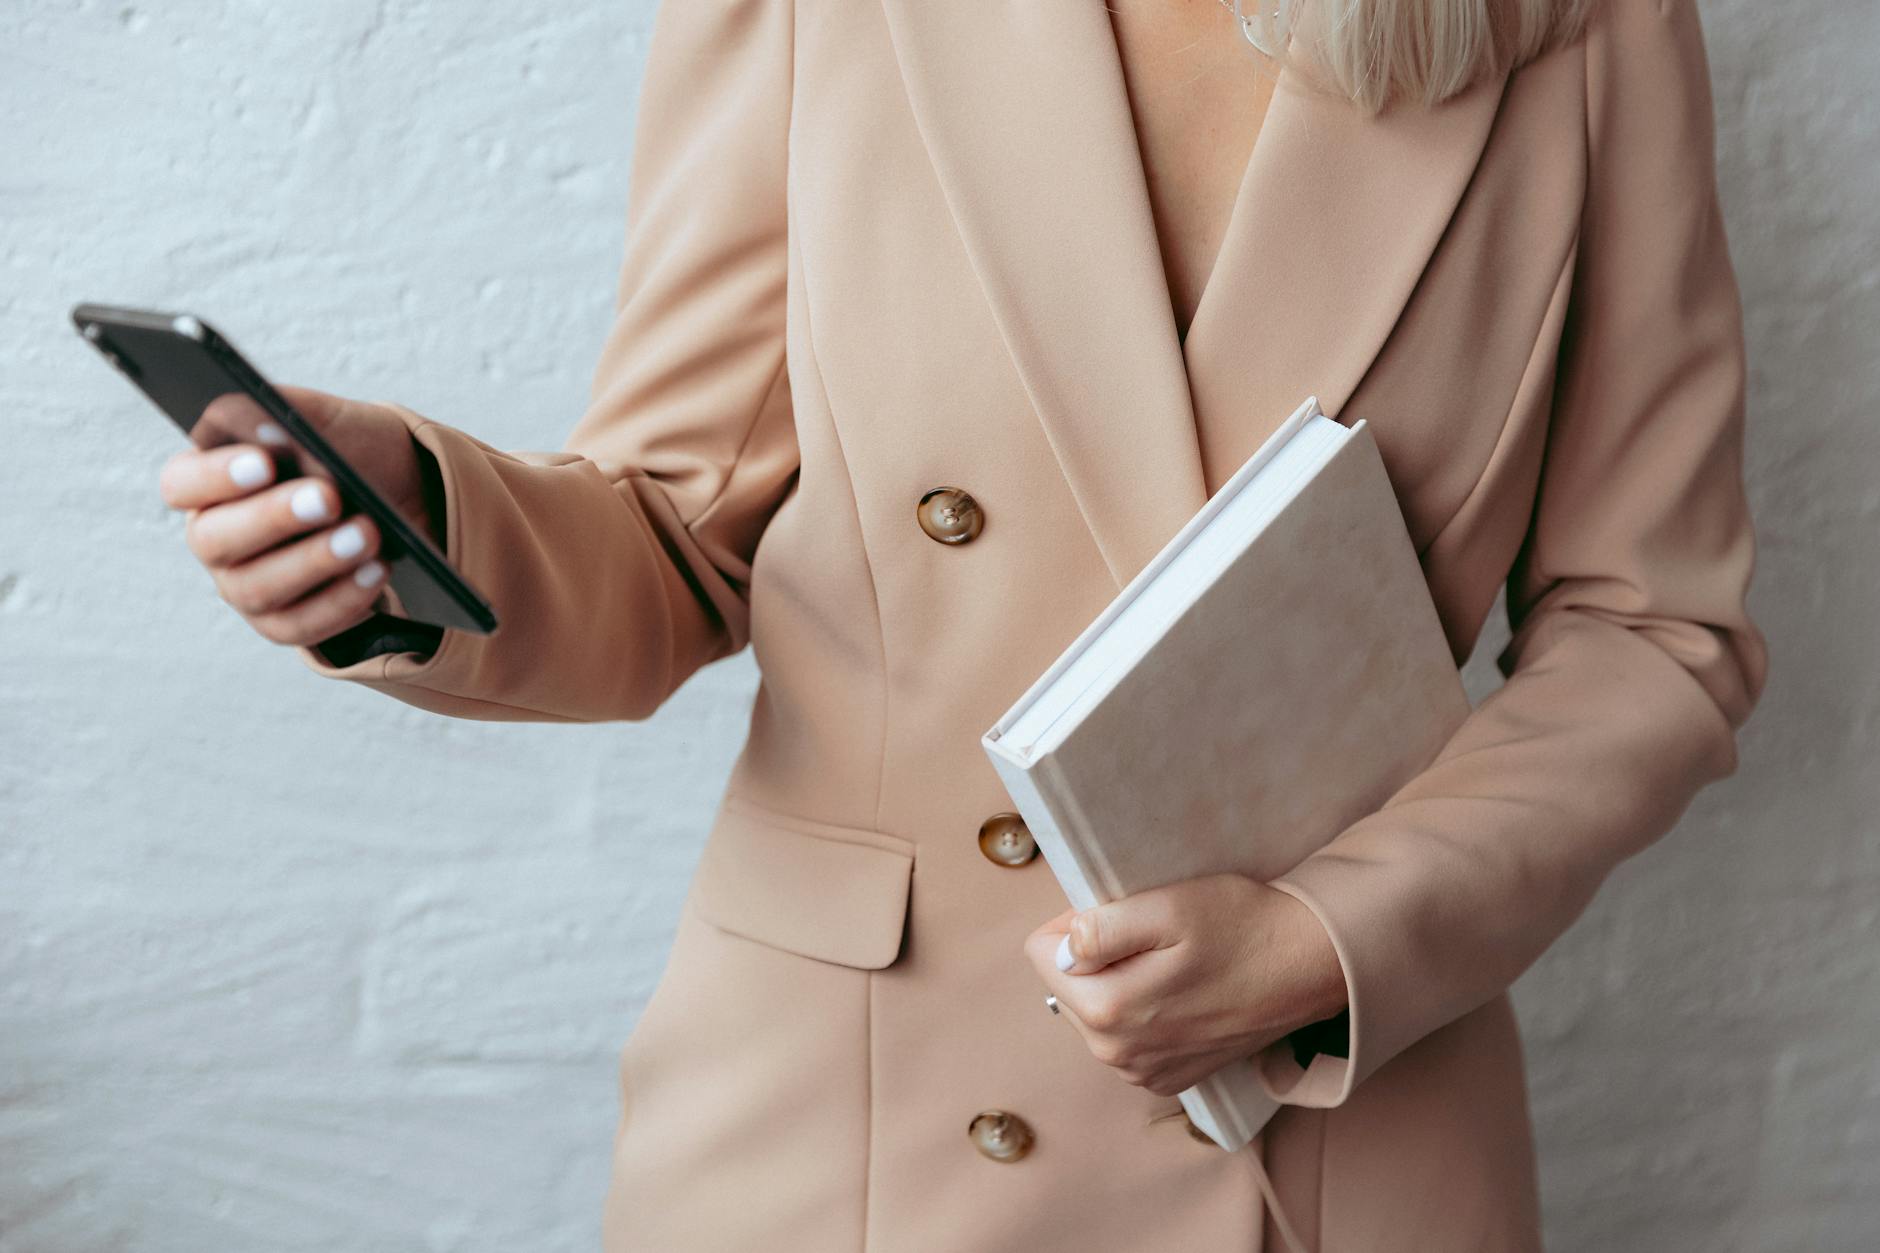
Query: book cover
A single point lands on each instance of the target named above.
(1243, 699)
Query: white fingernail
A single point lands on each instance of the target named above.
(270, 433)
(1064, 959)
(309, 503)
(348, 541)
(248, 469)
(370, 573)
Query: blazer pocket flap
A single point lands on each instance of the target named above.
(834, 893)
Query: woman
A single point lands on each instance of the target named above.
(935, 322)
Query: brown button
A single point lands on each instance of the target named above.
(1000, 1134)
(1195, 1131)
(949, 514)
(1006, 839)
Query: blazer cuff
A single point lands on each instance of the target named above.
(1316, 1066)
(431, 667)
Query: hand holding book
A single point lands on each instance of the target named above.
(1170, 984)
(1271, 676)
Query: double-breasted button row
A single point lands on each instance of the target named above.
(999, 1133)
(949, 515)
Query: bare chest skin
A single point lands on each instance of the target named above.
(1198, 92)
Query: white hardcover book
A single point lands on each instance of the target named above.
(1272, 675)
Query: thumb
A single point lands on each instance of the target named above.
(1110, 932)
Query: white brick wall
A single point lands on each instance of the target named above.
(256, 996)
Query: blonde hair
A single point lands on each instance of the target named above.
(1423, 51)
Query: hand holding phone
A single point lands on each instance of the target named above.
(287, 554)
(320, 518)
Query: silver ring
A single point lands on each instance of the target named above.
(1051, 1003)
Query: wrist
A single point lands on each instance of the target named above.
(1317, 979)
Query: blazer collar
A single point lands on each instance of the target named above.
(1023, 108)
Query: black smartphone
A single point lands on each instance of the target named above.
(182, 364)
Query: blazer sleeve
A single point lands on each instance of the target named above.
(621, 563)
(1633, 662)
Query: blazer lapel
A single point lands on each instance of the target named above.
(1024, 111)
(1338, 215)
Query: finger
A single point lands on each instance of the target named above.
(239, 529)
(1110, 932)
(1042, 943)
(196, 478)
(340, 602)
(278, 578)
(1098, 1007)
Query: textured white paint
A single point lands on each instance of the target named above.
(257, 994)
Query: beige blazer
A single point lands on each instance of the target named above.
(881, 246)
